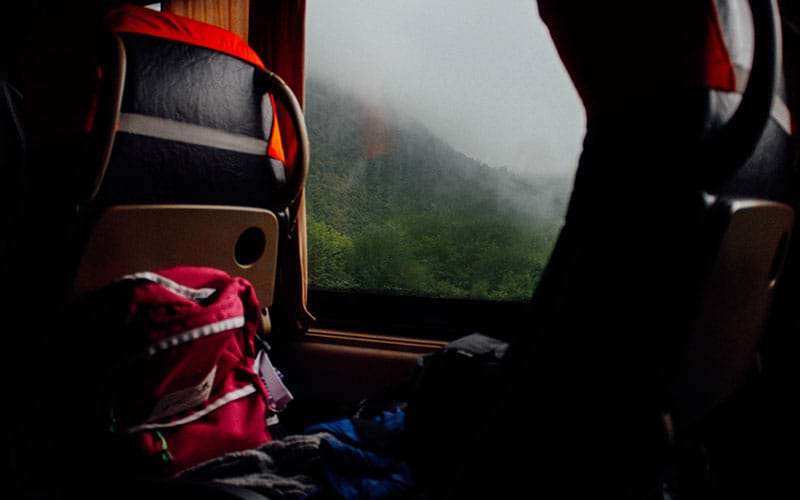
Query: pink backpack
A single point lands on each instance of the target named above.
(187, 388)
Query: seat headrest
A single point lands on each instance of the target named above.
(138, 20)
(195, 124)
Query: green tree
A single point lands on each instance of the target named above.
(330, 255)
(416, 216)
(385, 260)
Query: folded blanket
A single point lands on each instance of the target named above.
(280, 469)
(349, 458)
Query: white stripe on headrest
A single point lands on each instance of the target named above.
(163, 128)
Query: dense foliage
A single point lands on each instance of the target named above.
(393, 208)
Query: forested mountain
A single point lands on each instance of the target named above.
(393, 208)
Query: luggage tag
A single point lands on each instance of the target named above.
(279, 395)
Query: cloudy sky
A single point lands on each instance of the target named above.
(484, 76)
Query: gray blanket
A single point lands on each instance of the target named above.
(281, 469)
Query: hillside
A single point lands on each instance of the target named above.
(393, 208)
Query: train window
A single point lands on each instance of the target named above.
(444, 140)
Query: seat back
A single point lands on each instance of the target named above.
(748, 240)
(128, 239)
(181, 114)
(180, 163)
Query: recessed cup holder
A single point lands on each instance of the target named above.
(250, 246)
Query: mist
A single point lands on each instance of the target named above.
(482, 76)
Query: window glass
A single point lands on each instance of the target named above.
(445, 135)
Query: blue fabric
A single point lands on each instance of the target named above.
(355, 468)
(342, 429)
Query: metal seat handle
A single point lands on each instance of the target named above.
(281, 91)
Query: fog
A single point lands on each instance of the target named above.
(483, 76)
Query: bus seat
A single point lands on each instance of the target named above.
(177, 160)
(184, 114)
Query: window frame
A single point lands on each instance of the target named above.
(427, 318)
